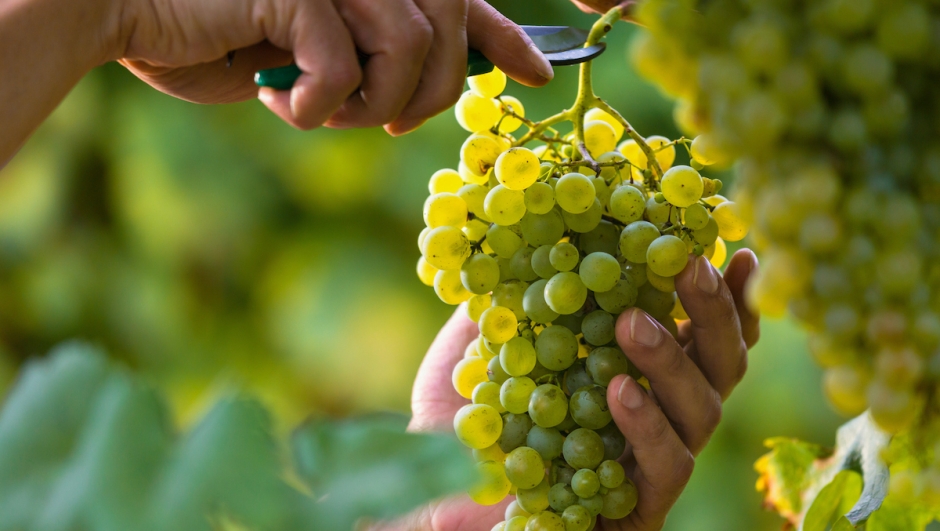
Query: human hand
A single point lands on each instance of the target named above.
(417, 54)
(664, 428)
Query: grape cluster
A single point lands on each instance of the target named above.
(547, 246)
(832, 109)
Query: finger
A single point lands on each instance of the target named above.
(325, 53)
(396, 36)
(663, 463)
(720, 350)
(458, 513)
(443, 76)
(741, 268)
(686, 397)
(434, 400)
(214, 82)
(506, 45)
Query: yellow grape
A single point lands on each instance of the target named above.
(731, 225)
(599, 137)
(478, 425)
(475, 113)
(479, 153)
(478, 304)
(476, 229)
(446, 180)
(467, 175)
(664, 155)
(445, 209)
(510, 123)
(539, 198)
(498, 324)
(682, 186)
(490, 453)
(488, 85)
(504, 206)
(426, 272)
(715, 200)
(665, 284)
(468, 373)
(600, 114)
(678, 312)
(667, 256)
(446, 247)
(706, 151)
(517, 169)
(845, 387)
(487, 392)
(493, 485)
(721, 253)
(575, 193)
(449, 288)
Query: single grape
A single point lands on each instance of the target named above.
(709, 234)
(605, 238)
(634, 273)
(488, 393)
(598, 327)
(560, 497)
(476, 231)
(614, 442)
(479, 153)
(493, 485)
(513, 510)
(601, 190)
(583, 448)
(585, 221)
(498, 324)
(577, 377)
(696, 216)
(547, 442)
(509, 294)
(480, 273)
(490, 453)
(469, 175)
(600, 114)
(517, 168)
(515, 393)
(539, 198)
(661, 214)
(488, 85)
(599, 271)
(731, 224)
(521, 264)
(478, 425)
(619, 501)
(542, 229)
(515, 430)
(504, 206)
(719, 253)
(517, 523)
(542, 262)
(504, 241)
(610, 474)
(446, 248)
(565, 293)
(585, 483)
(448, 286)
(517, 356)
(667, 256)
(474, 195)
(606, 362)
(476, 305)
(622, 296)
(524, 467)
(577, 518)
(682, 186)
(556, 348)
(666, 284)
(575, 193)
(475, 113)
(445, 180)
(636, 239)
(589, 408)
(510, 123)
(561, 472)
(426, 272)
(534, 500)
(468, 373)
(655, 302)
(495, 372)
(564, 256)
(534, 303)
(545, 521)
(663, 150)
(599, 137)
(627, 204)
(548, 405)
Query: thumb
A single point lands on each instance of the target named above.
(506, 45)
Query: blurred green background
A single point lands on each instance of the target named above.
(211, 247)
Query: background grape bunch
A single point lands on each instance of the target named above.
(831, 108)
(547, 246)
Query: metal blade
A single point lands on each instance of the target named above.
(576, 56)
(552, 39)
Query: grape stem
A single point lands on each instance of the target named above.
(587, 100)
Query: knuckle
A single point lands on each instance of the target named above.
(419, 35)
(346, 76)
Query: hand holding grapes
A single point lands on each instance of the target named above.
(664, 428)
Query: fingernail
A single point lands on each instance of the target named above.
(752, 262)
(266, 96)
(630, 394)
(705, 277)
(540, 63)
(643, 330)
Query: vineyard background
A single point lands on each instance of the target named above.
(214, 247)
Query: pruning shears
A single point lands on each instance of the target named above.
(562, 46)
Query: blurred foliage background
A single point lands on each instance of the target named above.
(211, 247)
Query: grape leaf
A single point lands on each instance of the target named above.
(834, 500)
(84, 446)
(785, 472)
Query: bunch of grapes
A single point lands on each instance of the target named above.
(547, 246)
(833, 111)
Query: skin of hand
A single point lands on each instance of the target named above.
(416, 68)
(665, 427)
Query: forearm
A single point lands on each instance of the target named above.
(46, 46)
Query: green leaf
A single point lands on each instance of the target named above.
(893, 516)
(833, 501)
(843, 524)
(785, 473)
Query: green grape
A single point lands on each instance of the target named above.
(696, 216)
(524, 467)
(446, 248)
(618, 299)
(594, 504)
(504, 241)
(495, 372)
(613, 440)
(488, 85)
(561, 472)
(619, 501)
(542, 262)
(655, 302)
(542, 229)
(504, 206)
(521, 264)
(598, 327)
(583, 448)
(468, 373)
(545, 521)
(480, 273)
(510, 123)
(548, 406)
(517, 524)
(474, 195)
(610, 474)
(682, 186)
(510, 295)
(904, 32)
(445, 209)
(515, 430)
(565, 293)
(867, 70)
(489, 349)
(515, 392)
(479, 153)
(539, 198)
(577, 377)
(517, 357)
(601, 191)
(556, 348)
(605, 238)
(448, 286)
(560, 497)
(534, 303)
(585, 483)
(667, 256)
(660, 214)
(627, 204)
(585, 221)
(475, 113)
(493, 485)
(634, 273)
(546, 441)
(426, 272)
(604, 363)
(478, 425)
(599, 271)
(513, 510)
(589, 408)
(731, 224)
(534, 500)
(577, 518)
(599, 137)
(445, 180)
(575, 193)
(498, 324)
(709, 234)
(636, 239)
(476, 230)
(488, 393)
(517, 168)
(539, 371)
(564, 256)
